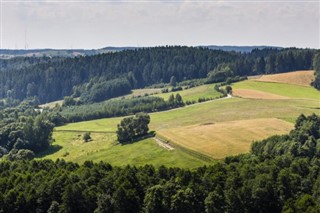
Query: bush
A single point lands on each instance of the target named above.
(87, 137)
(22, 154)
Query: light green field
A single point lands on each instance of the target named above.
(105, 147)
(140, 92)
(193, 94)
(107, 125)
(288, 90)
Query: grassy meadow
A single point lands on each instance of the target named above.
(194, 93)
(71, 147)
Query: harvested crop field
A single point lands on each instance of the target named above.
(301, 78)
(254, 94)
(219, 140)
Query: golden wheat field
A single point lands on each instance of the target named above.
(301, 78)
(218, 140)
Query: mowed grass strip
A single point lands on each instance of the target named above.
(302, 77)
(104, 147)
(287, 90)
(140, 92)
(219, 140)
(193, 94)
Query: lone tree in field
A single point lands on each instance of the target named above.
(86, 137)
(133, 127)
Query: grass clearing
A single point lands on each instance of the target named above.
(219, 140)
(287, 90)
(301, 78)
(51, 104)
(140, 92)
(104, 147)
(194, 93)
(103, 125)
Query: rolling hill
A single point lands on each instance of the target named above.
(215, 128)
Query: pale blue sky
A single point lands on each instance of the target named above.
(92, 24)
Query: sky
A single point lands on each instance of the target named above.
(93, 24)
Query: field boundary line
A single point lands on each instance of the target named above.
(83, 131)
(185, 150)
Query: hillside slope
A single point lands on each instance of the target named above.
(216, 128)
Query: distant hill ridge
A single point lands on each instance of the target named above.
(9, 53)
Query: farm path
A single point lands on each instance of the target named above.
(162, 144)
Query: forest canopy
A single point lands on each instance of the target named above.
(90, 76)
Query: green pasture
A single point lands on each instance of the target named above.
(194, 93)
(104, 147)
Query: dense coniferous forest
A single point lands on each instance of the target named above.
(316, 66)
(91, 76)
(114, 108)
(281, 174)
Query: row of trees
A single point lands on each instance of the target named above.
(316, 66)
(269, 179)
(92, 76)
(123, 107)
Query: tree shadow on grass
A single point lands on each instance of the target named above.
(137, 139)
(51, 150)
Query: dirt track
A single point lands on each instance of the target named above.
(162, 144)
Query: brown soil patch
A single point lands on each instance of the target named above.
(254, 94)
(301, 78)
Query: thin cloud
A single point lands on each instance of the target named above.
(95, 25)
